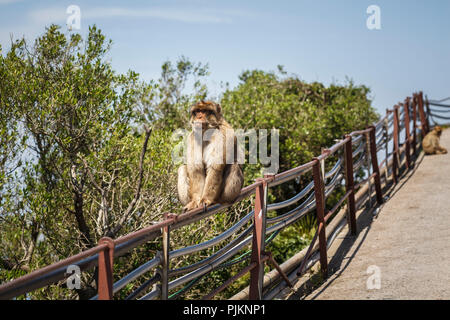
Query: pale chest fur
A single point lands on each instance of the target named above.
(209, 152)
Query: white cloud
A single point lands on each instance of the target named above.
(2, 2)
(50, 15)
(37, 19)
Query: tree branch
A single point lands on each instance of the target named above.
(131, 206)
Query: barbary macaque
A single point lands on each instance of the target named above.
(431, 144)
(211, 173)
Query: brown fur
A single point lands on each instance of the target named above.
(211, 181)
(431, 144)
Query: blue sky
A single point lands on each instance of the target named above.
(323, 40)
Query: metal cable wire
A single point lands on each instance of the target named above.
(237, 260)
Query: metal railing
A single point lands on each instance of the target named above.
(354, 152)
(436, 111)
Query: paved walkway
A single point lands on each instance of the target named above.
(407, 247)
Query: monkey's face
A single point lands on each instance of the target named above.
(205, 114)
(438, 130)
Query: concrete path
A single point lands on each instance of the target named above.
(405, 252)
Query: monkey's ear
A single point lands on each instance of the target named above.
(219, 108)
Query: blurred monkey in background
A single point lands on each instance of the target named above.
(431, 144)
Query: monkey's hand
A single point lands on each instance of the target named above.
(206, 202)
(191, 205)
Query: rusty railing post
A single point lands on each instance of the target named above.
(368, 160)
(407, 132)
(267, 178)
(375, 168)
(414, 115)
(256, 284)
(423, 118)
(395, 153)
(386, 144)
(428, 112)
(165, 262)
(349, 185)
(105, 270)
(319, 193)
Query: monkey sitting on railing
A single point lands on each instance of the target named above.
(431, 144)
(209, 176)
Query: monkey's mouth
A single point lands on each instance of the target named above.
(200, 125)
